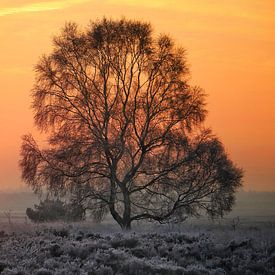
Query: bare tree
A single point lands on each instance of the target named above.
(125, 127)
(8, 215)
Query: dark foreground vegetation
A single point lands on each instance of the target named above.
(74, 249)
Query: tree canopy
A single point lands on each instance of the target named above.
(125, 128)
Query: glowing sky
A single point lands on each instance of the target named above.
(231, 52)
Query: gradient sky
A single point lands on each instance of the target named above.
(231, 52)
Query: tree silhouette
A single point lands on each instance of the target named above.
(125, 128)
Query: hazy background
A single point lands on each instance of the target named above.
(251, 208)
(230, 48)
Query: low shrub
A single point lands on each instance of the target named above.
(53, 210)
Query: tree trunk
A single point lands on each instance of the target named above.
(125, 220)
(114, 213)
(126, 224)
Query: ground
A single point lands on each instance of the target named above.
(82, 248)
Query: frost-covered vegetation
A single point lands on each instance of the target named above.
(80, 248)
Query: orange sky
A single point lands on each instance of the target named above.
(231, 52)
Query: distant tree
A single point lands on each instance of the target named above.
(54, 210)
(125, 128)
(8, 215)
(47, 210)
